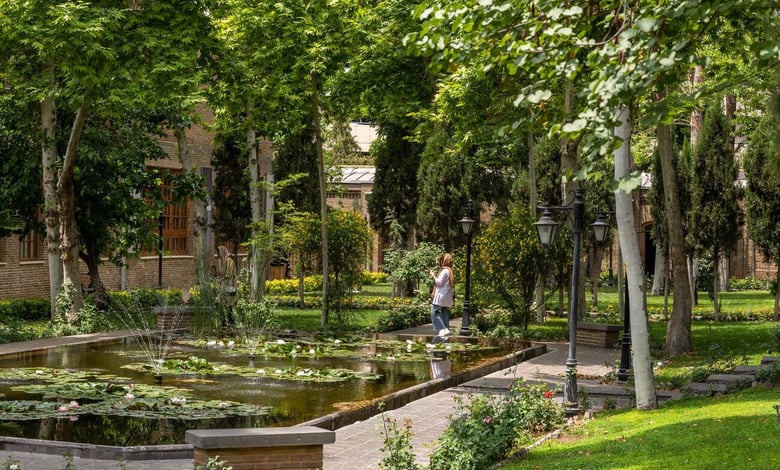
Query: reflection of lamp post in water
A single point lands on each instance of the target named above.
(546, 227)
(467, 224)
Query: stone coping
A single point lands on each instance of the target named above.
(94, 451)
(233, 438)
(398, 399)
(598, 326)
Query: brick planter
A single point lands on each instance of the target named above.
(174, 317)
(598, 334)
(291, 448)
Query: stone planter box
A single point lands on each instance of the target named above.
(598, 334)
(292, 448)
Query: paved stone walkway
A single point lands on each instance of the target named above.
(358, 446)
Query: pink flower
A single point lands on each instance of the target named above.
(548, 394)
(487, 420)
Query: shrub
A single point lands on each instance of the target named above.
(773, 345)
(25, 309)
(371, 278)
(397, 449)
(489, 428)
(749, 283)
(290, 286)
(255, 316)
(403, 316)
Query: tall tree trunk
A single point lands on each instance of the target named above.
(532, 203)
(642, 361)
(323, 200)
(265, 174)
(716, 283)
(255, 203)
(199, 221)
(66, 206)
(49, 180)
(776, 316)
(659, 276)
(697, 116)
(91, 257)
(595, 255)
(678, 331)
(696, 120)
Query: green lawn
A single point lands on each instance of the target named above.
(730, 301)
(738, 430)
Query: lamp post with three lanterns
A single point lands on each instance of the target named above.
(547, 227)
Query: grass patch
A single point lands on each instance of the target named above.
(738, 430)
(730, 301)
(311, 319)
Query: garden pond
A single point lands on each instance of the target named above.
(149, 392)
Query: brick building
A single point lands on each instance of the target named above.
(24, 270)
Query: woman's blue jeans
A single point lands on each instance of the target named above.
(440, 317)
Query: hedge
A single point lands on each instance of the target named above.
(25, 309)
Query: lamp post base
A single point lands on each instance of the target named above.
(571, 405)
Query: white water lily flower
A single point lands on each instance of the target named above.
(260, 371)
(222, 405)
(211, 343)
(448, 347)
(300, 373)
(391, 358)
(312, 351)
(429, 346)
(378, 354)
(278, 371)
(281, 341)
(178, 400)
(409, 342)
(231, 343)
(39, 372)
(336, 341)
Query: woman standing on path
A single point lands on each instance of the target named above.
(443, 289)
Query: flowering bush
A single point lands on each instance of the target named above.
(397, 448)
(488, 428)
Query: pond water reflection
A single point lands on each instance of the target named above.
(289, 402)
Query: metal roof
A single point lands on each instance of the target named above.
(357, 174)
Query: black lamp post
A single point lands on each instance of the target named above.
(546, 227)
(625, 346)
(467, 225)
